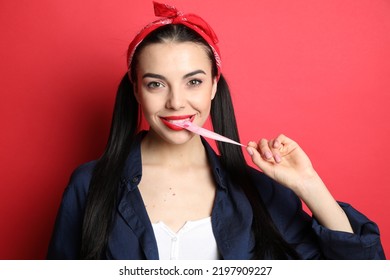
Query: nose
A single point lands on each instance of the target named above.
(176, 100)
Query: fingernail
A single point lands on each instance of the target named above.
(250, 152)
(268, 155)
(278, 158)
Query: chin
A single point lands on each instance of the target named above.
(179, 138)
(170, 136)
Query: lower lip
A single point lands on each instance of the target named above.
(172, 126)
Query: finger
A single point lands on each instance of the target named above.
(252, 144)
(283, 140)
(265, 149)
(285, 145)
(250, 147)
(258, 160)
(276, 143)
(274, 146)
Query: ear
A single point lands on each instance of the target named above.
(214, 88)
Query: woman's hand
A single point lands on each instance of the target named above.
(285, 162)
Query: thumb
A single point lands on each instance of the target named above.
(256, 158)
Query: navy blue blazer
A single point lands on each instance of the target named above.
(132, 235)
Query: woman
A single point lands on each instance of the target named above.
(166, 194)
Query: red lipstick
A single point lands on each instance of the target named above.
(170, 120)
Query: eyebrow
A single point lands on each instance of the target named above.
(161, 77)
(193, 73)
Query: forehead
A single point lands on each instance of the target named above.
(173, 58)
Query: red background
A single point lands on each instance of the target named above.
(317, 71)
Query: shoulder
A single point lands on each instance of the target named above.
(79, 181)
(75, 194)
(83, 173)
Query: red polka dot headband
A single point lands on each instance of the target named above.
(170, 15)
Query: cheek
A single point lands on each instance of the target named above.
(151, 104)
(146, 104)
(202, 103)
(205, 99)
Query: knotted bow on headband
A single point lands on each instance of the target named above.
(170, 15)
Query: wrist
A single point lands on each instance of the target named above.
(309, 186)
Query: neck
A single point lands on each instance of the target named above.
(158, 151)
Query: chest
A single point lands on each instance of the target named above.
(177, 195)
(132, 236)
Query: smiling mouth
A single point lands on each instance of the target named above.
(170, 121)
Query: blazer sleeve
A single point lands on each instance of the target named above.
(363, 244)
(312, 240)
(65, 242)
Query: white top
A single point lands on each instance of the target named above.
(194, 241)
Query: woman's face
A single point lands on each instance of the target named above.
(174, 83)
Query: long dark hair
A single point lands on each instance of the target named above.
(103, 190)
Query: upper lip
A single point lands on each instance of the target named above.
(174, 118)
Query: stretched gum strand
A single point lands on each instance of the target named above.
(206, 133)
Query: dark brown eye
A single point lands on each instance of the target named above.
(154, 85)
(194, 82)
